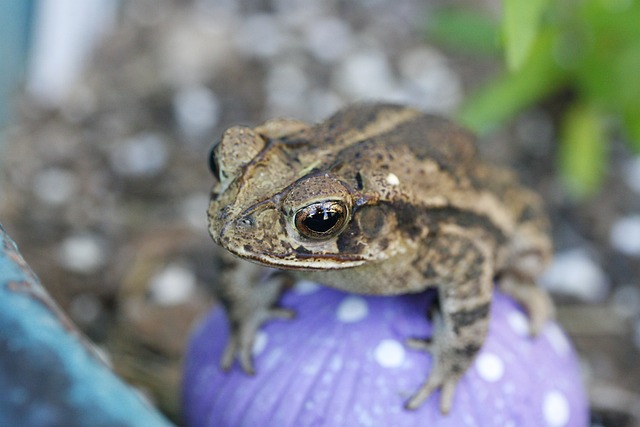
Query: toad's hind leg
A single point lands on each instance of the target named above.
(463, 269)
(529, 248)
(529, 254)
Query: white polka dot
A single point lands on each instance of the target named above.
(304, 287)
(352, 309)
(518, 323)
(558, 340)
(490, 367)
(392, 179)
(389, 353)
(260, 343)
(555, 408)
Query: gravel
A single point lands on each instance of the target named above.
(110, 189)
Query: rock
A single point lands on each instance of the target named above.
(285, 85)
(367, 75)
(143, 155)
(82, 253)
(429, 83)
(197, 110)
(328, 39)
(260, 36)
(626, 300)
(573, 273)
(55, 186)
(624, 235)
(632, 174)
(173, 285)
(191, 212)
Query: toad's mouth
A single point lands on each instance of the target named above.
(279, 253)
(297, 259)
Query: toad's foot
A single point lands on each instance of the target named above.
(243, 336)
(441, 378)
(451, 359)
(250, 300)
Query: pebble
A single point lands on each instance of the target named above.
(215, 7)
(428, 81)
(631, 173)
(175, 284)
(193, 211)
(191, 54)
(286, 85)
(143, 155)
(55, 186)
(82, 253)
(323, 104)
(626, 300)
(260, 36)
(624, 235)
(367, 75)
(197, 110)
(82, 104)
(296, 13)
(85, 308)
(573, 272)
(328, 39)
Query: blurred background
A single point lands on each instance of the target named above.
(108, 110)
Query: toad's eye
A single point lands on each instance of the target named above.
(321, 220)
(213, 162)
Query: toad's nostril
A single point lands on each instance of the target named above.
(223, 214)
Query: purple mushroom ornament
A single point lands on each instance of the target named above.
(343, 362)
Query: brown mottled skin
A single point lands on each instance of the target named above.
(378, 199)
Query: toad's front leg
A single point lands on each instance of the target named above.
(463, 269)
(250, 296)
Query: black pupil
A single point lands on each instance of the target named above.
(321, 221)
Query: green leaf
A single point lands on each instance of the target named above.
(632, 126)
(520, 26)
(465, 30)
(502, 99)
(582, 152)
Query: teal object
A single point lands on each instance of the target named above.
(50, 375)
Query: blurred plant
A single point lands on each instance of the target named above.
(589, 48)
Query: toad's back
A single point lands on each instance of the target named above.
(429, 164)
